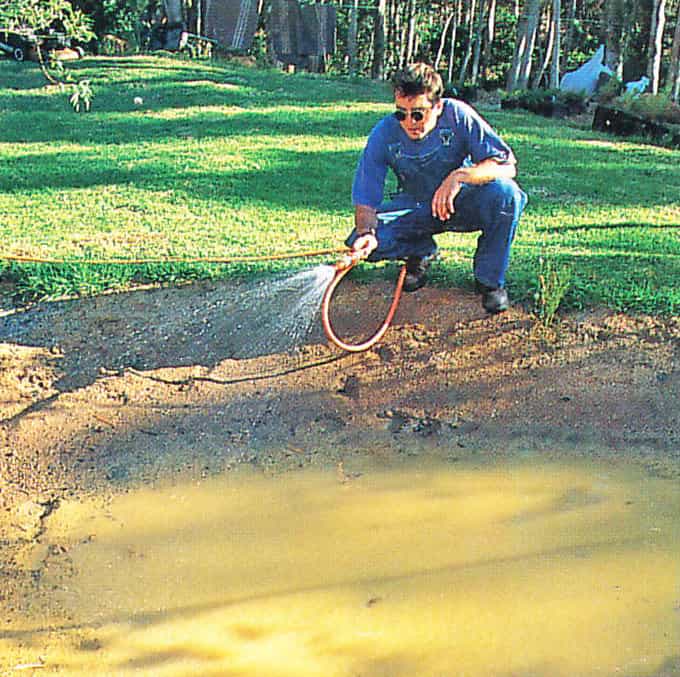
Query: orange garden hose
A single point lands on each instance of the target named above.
(342, 268)
(18, 258)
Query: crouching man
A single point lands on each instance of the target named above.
(454, 173)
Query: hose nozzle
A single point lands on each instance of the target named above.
(351, 258)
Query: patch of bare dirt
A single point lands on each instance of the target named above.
(100, 394)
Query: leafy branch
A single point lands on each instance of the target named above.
(34, 16)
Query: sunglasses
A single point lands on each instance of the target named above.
(416, 115)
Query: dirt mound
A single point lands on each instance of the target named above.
(79, 376)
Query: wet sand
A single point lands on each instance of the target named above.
(389, 566)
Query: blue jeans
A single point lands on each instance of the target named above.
(406, 227)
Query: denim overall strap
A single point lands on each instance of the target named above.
(420, 175)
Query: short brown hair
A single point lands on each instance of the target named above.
(417, 79)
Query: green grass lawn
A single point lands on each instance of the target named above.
(221, 160)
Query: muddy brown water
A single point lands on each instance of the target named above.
(392, 568)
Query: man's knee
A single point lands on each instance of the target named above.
(505, 193)
(498, 203)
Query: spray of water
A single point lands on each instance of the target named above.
(275, 315)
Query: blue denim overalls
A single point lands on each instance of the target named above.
(406, 224)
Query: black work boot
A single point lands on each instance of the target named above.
(494, 299)
(416, 272)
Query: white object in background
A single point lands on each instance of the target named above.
(585, 78)
(638, 86)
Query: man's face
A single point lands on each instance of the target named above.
(419, 114)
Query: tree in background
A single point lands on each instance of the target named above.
(546, 41)
(121, 18)
(557, 44)
(614, 35)
(489, 37)
(43, 15)
(377, 69)
(352, 34)
(520, 69)
(519, 43)
(675, 60)
(654, 52)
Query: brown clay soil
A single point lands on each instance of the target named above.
(98, 395)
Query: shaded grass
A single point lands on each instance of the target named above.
(222, 160)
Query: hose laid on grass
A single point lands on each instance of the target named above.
(17, 258)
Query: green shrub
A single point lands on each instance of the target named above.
(547, 102)
(657, 107)
(608, 92)
(552, 284)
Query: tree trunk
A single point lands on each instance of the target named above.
(477, 51)
(198, 10)
(656, 44)
(389, 34)
(442, 40)
(518, 76)
(352, 37)
(613, 35)
(378, 67)
(396, 34)
(490, 35)
(675, 62)
(471, 35)
(173, 10)
(538, 76)
(556, 47)
(402, 22)
(527, 56)
(411, 32)
(454, 34)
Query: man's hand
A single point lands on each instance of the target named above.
(442, 201)
(476, 175)
(365, 243)
(365, 222)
